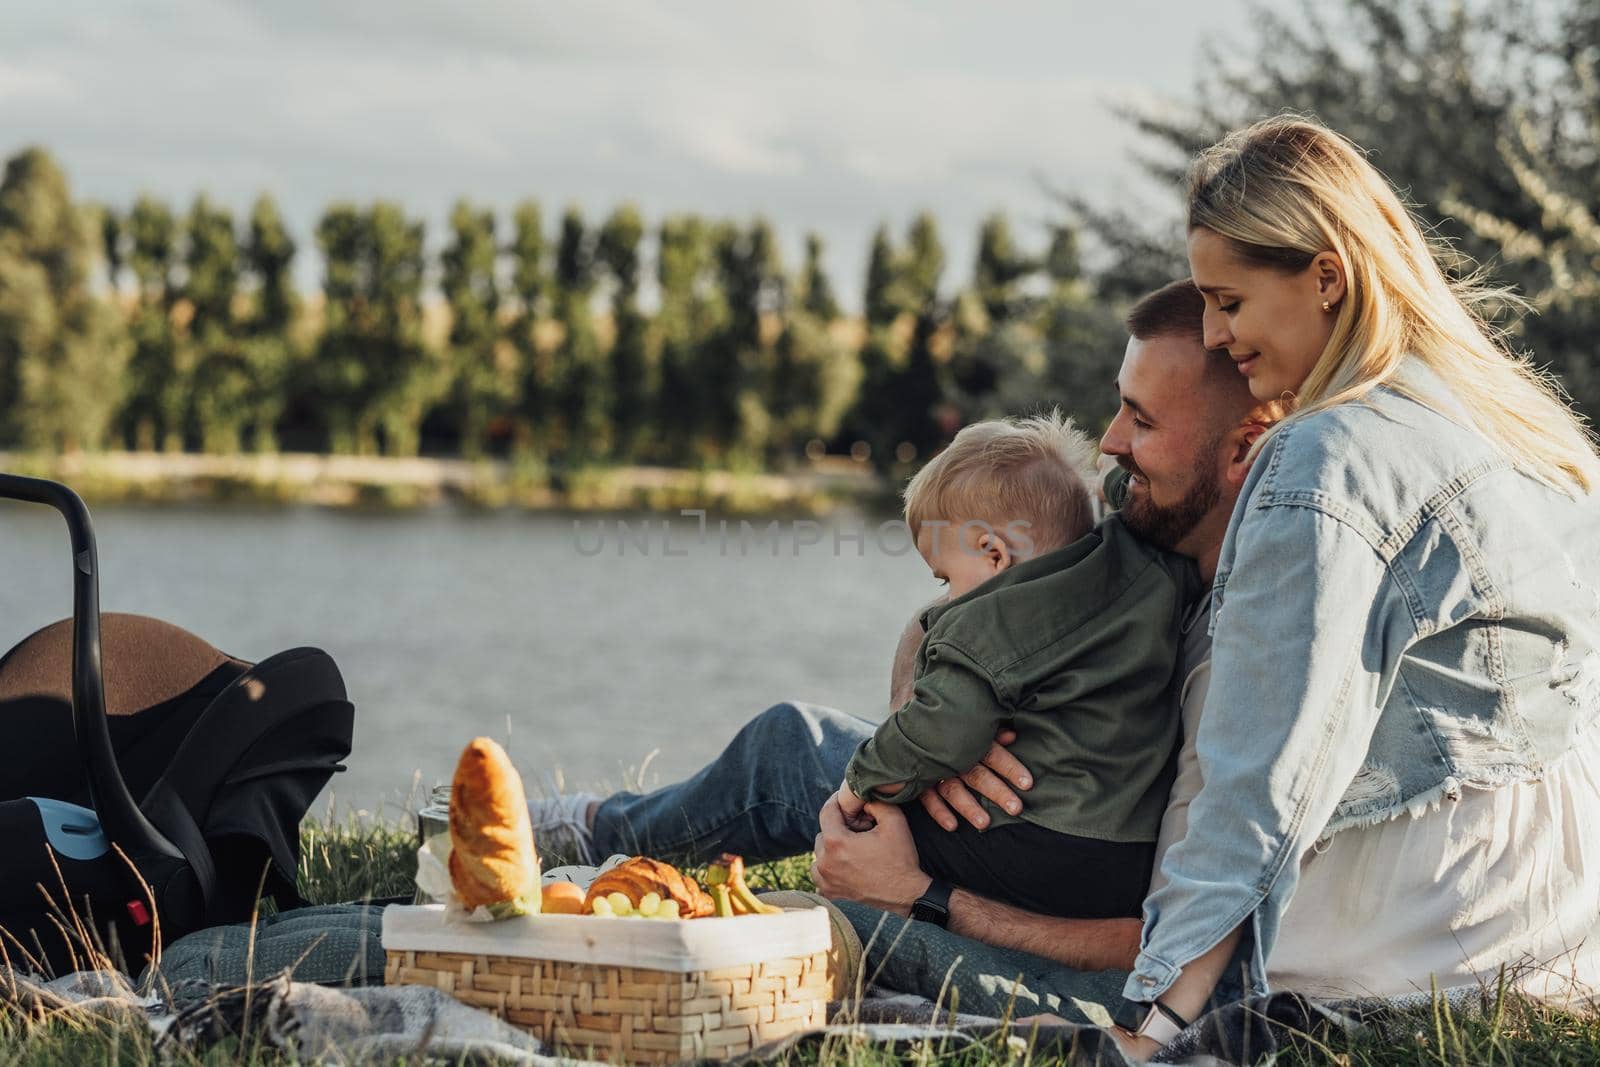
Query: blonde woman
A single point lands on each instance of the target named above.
(1406, 667)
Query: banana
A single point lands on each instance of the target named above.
(722, 906)
(752, 904)
(727, 873)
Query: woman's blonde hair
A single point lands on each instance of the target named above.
(1285, 189)
(1000, 471)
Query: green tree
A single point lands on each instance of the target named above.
(1000, 370)
(875, 415)
(1018, 352)
(918, 386)
(1084, 339)
(113, 245)
(223, 380)
(269, 252)
(816, 291)
(578, 380)
(924, 265)
(483, 388)
(411, 378)
(1063, 261)
(1547, 236)
(874, 410)
(813, 377)
(1000, 270)
(735, 365)
(159, 369)
(211, 266)
(153, 233)
(268, 261)
(374, 372)
(630, 363)
(901, 382)
(881, 298)
(919, 391)
(687, 315)
(62, 350)
(341, 373)
(814, 381)
(530, 281)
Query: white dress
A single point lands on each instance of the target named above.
(1505, 876)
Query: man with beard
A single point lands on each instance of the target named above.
(1182, 434)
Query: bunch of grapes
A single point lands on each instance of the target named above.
(650, 906)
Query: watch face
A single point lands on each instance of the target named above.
(1131, 1014)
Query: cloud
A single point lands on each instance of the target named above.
(830, 116)
(29, 86)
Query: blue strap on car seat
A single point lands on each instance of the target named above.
(71, 830)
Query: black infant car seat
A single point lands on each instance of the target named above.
(225, 756)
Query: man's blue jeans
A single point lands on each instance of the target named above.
(760, 799)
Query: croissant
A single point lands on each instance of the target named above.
(492, 858)
(640, 875)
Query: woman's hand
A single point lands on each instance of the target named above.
(1138, 1049)
(877, 867)
(997, 778)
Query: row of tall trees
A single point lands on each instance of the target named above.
(518, 337)
(527, 335)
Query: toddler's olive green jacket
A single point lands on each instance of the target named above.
(1076, 648)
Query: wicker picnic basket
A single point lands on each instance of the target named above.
(626, 991)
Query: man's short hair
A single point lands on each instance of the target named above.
(1178, 310)
(1175, 310)
(1001, 471)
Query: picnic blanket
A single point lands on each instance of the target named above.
(308, 982)
(317, 1024)
(312, 1023)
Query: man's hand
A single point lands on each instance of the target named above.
(877, 867)
(997, 778)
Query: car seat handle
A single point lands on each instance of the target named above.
(124, 824)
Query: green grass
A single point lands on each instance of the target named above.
(79, 1043)
(1515, 1032)
(354, 859)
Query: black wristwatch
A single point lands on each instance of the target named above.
(933, 906)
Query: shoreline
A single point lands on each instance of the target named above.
(384, 483)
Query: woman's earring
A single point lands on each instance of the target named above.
(1326, 306)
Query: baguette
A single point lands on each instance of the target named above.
(492, 858)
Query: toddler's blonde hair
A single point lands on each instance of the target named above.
(1033, 470)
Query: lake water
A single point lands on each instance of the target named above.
(581, 644)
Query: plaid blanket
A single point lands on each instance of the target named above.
(308, 982)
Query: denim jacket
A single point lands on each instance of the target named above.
(1398, 613)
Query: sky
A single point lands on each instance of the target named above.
(823, 116)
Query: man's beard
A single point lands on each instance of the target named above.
(1167, 526)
